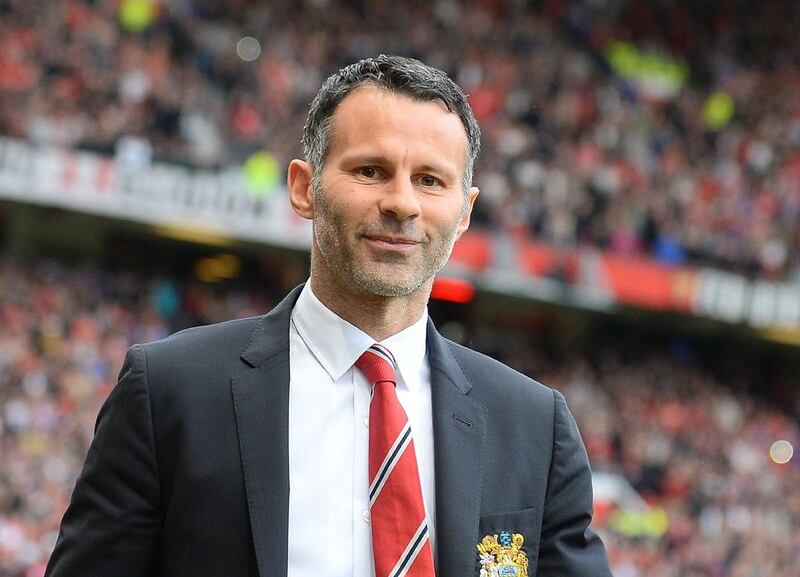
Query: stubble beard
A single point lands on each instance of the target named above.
(339, 252)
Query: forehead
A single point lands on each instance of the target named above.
(370, 117)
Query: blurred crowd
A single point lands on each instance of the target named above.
(667, 129)
(698, 451)
(64, 332)
(693, 446)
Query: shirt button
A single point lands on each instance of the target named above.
(366, 421)
(365, 515)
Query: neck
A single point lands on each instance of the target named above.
(378, 316)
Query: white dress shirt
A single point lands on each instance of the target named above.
(329, 531)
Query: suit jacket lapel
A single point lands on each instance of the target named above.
(459, 427)
(261, 403)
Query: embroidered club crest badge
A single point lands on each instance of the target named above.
(503, 556)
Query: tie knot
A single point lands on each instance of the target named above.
(377, 364)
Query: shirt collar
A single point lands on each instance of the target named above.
(337, 344)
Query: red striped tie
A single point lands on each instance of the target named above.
(400, 540)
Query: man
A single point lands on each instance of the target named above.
(340, 434)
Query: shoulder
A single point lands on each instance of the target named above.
(211, 355)
(200, 350)
(492, 378)
(206, 338)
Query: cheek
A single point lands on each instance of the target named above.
(335, 205)
(347, 197)
(446, 215)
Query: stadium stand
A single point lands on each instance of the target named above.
(63, 334)
(695, 447)
(666, 129)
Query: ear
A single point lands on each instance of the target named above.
(298, 183)
(464, 223)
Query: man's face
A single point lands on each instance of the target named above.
(390, 203)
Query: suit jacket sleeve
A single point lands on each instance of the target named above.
(113, 523)
(568, 546)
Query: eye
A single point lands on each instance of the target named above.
(368, 172)
(428, 180)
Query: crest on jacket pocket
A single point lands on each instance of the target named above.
(503, 556)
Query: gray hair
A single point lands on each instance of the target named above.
(396, 74)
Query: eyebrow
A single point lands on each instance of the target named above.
(364, 159)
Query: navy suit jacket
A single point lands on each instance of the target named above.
(188, 475)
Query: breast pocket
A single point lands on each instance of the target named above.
(511, 543)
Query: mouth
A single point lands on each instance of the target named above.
(396, 243)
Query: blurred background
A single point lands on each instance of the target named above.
(636, 243)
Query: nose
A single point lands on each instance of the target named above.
(400, 200)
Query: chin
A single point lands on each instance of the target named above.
(382, 288)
